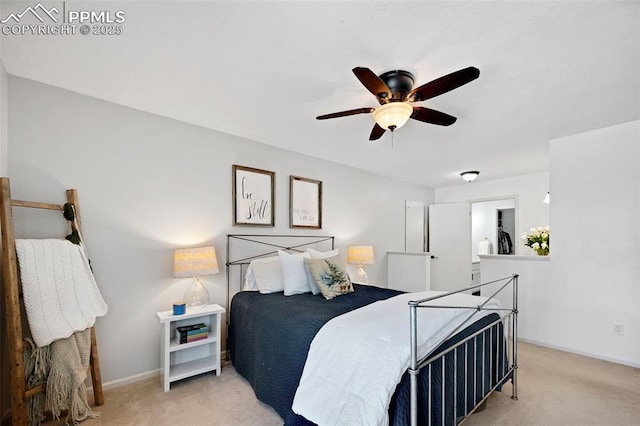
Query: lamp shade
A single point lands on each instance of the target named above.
(547, 199)
(194, 262)
(393, 115)
(360, 255)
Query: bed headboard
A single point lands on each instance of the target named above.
(243, 248)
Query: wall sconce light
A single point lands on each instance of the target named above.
(194, 263)
(360, 255)
(547, 199)
(470, 176)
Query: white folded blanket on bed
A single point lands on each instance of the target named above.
(60, 293)
(357, 359)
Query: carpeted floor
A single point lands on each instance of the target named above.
(560, 388)
(554, 388)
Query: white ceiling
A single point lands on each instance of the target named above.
(265, 70)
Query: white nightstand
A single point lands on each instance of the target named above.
(180, 361)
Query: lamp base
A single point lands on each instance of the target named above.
(361, 276)
(197, 296)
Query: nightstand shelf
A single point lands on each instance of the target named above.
(180, 361)
(175, 346)
(191, 368)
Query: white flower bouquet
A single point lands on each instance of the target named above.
(537, 239)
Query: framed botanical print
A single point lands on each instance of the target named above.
(305, 203)
(253, 196)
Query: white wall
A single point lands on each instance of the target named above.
(529, 191)
(595, 254)
(534, 286)
(4, 363)
(3, 108)
(3, 119)
(148, 184)
(594, 268)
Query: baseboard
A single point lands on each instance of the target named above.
(582, 353)
(126, 380)
(137, 377)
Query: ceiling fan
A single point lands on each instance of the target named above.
(394, 92)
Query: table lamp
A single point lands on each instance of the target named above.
(195, 262)
(360, 255)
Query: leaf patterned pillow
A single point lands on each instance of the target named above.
(330, 276)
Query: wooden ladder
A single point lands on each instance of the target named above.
(12, 291)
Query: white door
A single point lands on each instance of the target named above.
(449, 243)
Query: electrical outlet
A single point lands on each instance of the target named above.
(618, 329)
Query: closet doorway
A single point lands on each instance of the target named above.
(506, 231)
(493, 227)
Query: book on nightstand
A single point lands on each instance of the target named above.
(191, 333)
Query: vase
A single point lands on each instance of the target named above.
(542, 251)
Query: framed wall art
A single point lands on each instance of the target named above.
(253, 197)
(305, 203)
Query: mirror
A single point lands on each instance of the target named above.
(414, 226)
(493, 227)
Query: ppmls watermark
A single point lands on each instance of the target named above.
(62, 19)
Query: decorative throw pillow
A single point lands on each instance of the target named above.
(293, 273)
(330, 276)
(315, 254)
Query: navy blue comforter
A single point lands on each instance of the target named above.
(270, 335)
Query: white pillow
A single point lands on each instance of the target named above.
(293, 272)
(268, 275)
(250, 283)
(315, 254)
(312, 282)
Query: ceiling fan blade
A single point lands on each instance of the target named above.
(432, 116)
(443, 84)
(373, 83)
(376, 132)
(345, 113)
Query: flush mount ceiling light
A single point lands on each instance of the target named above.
(470, 176)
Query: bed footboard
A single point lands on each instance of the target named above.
(461, 374)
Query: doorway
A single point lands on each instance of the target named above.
(493, 226)
(506, 219)
(455, 229)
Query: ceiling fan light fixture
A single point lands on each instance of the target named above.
(392, 115)
(470, 176)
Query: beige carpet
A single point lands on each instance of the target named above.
(555, 388)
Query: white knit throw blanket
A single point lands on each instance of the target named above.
(60, 293)
(62, 301)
